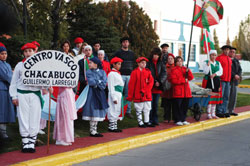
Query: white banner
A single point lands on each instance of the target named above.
(50, 68)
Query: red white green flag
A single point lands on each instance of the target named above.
(207, 13)
(206, 32)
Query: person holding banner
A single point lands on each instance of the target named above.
(66, 111)
(179, 78)
(7, 113)
(115, 86)
(217, 71)
(96, 106)
(29, 102)
(65, 116)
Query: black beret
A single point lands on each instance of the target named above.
(164, 45)
(225, 47)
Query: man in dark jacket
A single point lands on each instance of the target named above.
(235, 77)
(128, 64)
(164, 50)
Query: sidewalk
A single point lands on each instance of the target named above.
(88, 148)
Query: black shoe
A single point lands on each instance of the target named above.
(220, 115)
(129, 115)
(115, 130)
(31, 150)
(25, 150)
(227, 115)
(234, 114)
(142, 126)
(149, 124)
(157, 124)
(96, 135)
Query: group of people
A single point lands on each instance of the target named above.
(222, 75)
(110, 87)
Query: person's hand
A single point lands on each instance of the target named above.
(186, 80)
(50, 90)
(15, 102)
(115, 102)
(157, 84)
(187, 70)
(44, 92)
(237, 77)
(208, 63)
(212, 76)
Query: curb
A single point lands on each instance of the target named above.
(240, 86)
(114, 147)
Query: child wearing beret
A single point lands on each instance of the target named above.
(115, 86)
(29, 102)
(139, 90)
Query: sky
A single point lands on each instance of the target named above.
(182, 10)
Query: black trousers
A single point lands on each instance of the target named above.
(180, 106)
(168, 107)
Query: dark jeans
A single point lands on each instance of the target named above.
(180, 109)
(153, 112)
(168, 105)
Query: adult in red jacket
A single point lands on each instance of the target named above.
(139, 90)
(226, 63)
(181, 90)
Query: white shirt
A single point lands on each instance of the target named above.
(206, 68)
(17, 83)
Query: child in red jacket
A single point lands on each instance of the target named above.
(179, 78)
(139, 90)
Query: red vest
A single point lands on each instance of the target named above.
(226, 64)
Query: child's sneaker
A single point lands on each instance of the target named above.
(185, 123)
(62, 143)
(179, 124)
(209, 116)
(41, 132)
(149, 124)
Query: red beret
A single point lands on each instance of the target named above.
(36, 43)
(115, 60)
(28, 45)
(138, 60)
(170, 54)
(78, 40)
(2, 45)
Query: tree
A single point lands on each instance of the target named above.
(216, 42)
(131, 20)
(244, 38)
(87, 21)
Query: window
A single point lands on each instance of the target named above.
(192, 52)
(181, 50)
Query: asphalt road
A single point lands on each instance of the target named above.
(222, 146)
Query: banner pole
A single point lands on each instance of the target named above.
(208, 58)
(49, 123)
(189, 50)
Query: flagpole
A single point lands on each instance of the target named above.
(49, 123)
(208, 58)
(189, 50)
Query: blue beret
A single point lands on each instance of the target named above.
(96, 61)
(2, 49)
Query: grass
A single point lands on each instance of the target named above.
(245, 82)
(82, 127)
